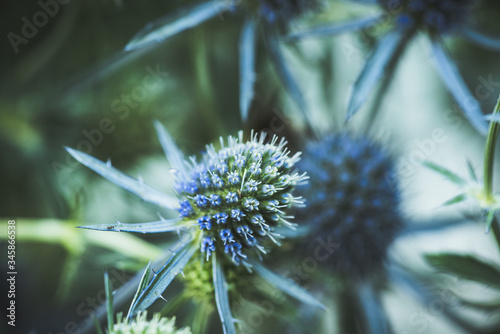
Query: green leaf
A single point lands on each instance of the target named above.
(455, 200)
(142, 286)
(445, 172)
(489, 220)
(472, 173)
(109, 300)
(490, 306)
(466, 267)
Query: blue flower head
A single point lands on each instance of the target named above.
(231, 204)
(351, 201)
(227, 213)
(435, 15)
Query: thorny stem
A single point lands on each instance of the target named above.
(489, 154)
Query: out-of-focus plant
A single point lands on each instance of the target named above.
(407, 18)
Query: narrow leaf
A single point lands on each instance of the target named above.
(286, 285)
(457, 87)
(455, 200)
(489, 307)
(445, 172)
(162, 279)
(493, 117)
(376, 318)
(174, 155)
(142, 286)
(170, 25)
(481, 39)
(286, 76)
(472, 172)
(247, 66)
(489, 219)
(160, 226)
(466, 267)
(136, 187)
(222, 298)
(336, 28)
(109, 300)
(374, 69)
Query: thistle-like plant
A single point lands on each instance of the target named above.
(436, 19)
(231, 204)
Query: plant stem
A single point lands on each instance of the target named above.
(489, 154)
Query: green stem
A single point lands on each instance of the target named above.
(489, 154)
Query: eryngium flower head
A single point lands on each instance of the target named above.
(238, 195)
(351, 201)
(435, 15)
(140, 325)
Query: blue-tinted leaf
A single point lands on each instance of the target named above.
(376, 318)
(481, 40)
(336, 28)
(493, 118)
(142, 286)
(159, 226)
(247, 66)
(445, 172)
(374, 69)
(126, 182)
(457, 87)
(286, 76)
(488, 307)
(466, 267)
(108, 287)
(455, 200)
(222, 298)
(286, 285)
(170, 25)
(174, 155)
(162, 279)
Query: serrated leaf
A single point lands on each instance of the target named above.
(286, 285)
(136, 187)
(174, 155)
(222, 298)
(336, 28)
(161, 226)
(455, 200)
(108, 287)
(445, 172)
(142, 286)
(374, 69)
(481, 39)
(172, 24)
(162, 279)
(452, 79)
(466, 267)
(247, 66)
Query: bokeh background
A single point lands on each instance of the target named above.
(60, 88)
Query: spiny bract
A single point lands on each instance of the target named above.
(436, 15)
(140, 325)
(238, 195)
(351, 200)
(284, 10)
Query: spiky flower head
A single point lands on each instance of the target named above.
(351, 201)
(141, 325)
(238, 195)
(435, 15)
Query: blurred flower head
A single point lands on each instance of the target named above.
(351, 200)
(141, 325)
